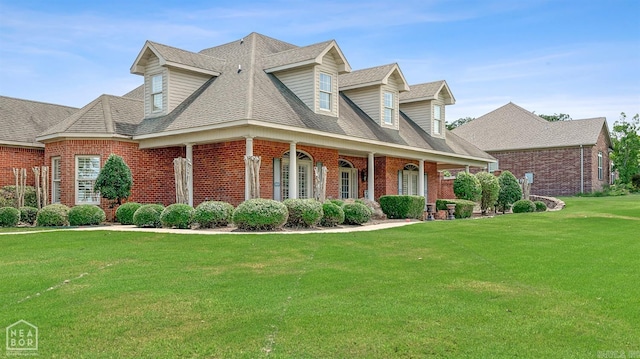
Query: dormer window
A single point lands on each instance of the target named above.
(437, 119)
(325, 91)
(388, 108)
(156, 93)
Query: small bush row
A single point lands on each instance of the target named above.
(401, 207)
(464, 208)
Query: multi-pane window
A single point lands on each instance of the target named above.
(437, 119)
(55, 180)
(600, 170)
(325, 92)
(348, 180)
(87, 170)
(156, 93)
(304, 164)
(388, 108)
(493, 166)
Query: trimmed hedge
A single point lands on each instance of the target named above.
(401, 207)
(53, 215)
(260, 214)
(523, 206)
(303, 212)
(28, 214)
(333, 214)
(124, 213)
(148, 215)
(9, 217)
(177, 215)
(466, 186)
(86, 215)
(540, 206)
(356, 213)
(464, 208)
(213, 214)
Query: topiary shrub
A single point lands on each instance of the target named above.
(148, 215)
(9, 217)
(540, 206)
(124, 213)
(177, 215)
(53, 215)
(464, 208)
(490, 189)
(213, 214)
(510, 190)
(86, 215)
(333, 214)
(356, 213)
(8, 196)
(303, 212)
(466, 186)
(523, 206)
(28, 214)
(400, 207)
(260, 214)
(114, 180)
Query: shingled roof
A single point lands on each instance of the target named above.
(427, 91)
(372, 76)
(172, 56)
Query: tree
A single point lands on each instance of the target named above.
(466, 186)
(459, 122)
(510, 190)
(556, 117)
(625, 140)
(490, 190)
(114, 181)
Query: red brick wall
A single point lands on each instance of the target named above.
(446, 187)
(386, 170)
(218, 172)
(593, 183)
(19, 157)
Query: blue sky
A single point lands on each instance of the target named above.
(580, 57)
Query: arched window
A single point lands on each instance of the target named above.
(304, 172)
(348, 186)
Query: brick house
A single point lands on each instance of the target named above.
(559, 158)
(295, 107)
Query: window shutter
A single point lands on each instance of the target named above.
(405, 182)
(277, 189)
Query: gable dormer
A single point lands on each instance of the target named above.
(376, 91)
(425, 105)
(311, 72)
(171, 75)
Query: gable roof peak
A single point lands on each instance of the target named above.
(175, 57)
(428, 91)
(306, 55)
(377, 75)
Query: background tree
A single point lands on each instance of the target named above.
(115, 180)
(556, 117)
(459, 122)
(625, 140)
(490, 190)
(510, 190)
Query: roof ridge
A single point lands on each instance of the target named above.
(183, 50)
(297, 48)
(40, 102)
(106, 109)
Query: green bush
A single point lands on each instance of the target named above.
(466, 186)
(464, 208)
(9, 217)
(635, 182)
(213, 214)
(8, 196)
(523, 206)
(400, 207)
(53, 215)
(510, 190)
(333, 214)
(337, 202)
(540, 206)
(124, 213)
(303, 212)
(177, 215)
(148, 215)
(28, 214)
(356, 213)
(490, 188)
(86, 215)
(260, 214)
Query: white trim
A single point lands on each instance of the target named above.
(76, 136)
(22, 144)
(54, 180)
(76, 180)
(371, 176)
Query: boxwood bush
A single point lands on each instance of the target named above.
(356, 213)
(213, 214)
(332, 214)
(467, 186)
(148, 215)
(53, 215)
(260, 214)
(540, 206)
(400, 207)
(86, 215)
(9, 217)
(523, 206)
(464, 208)
(177, 215)
(124, 213)
(303, 212)
(28, 214)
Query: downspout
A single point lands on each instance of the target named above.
(581, 169)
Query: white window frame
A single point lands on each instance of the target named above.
(388, 113)
(349, 174)
(87, 179)
(56, 171)
(493, 166)
(304, 172)
(325, 92)
(437, 119)
(600, 167)
(157, 93)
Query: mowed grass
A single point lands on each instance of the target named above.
(544, 285)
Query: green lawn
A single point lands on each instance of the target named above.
(545, 285)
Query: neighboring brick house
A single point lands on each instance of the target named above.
(561, 158)
(263, 97)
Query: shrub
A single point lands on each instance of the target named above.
(124, 213)
(635, 182)
(260, 214)
(400, 207)
(337, 202)
(374, 208)
(510, 190)
(466, 186)
(356, 213)
(9, 217)
(303, 212)
(148, 215)
(86, 215)
(540, 206)
(523, 206)
(8, 196)
(212, 214)
(53, 215)
(177, 215)
(28, 214)
(464, 208)
(490, 189)
(114, 180)
(333, 214)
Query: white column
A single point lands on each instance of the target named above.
(248, 152)
(466, 168)
(421, 179)
(370, 178)
(293, 171)
(189, 148)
